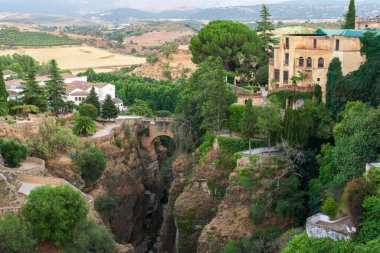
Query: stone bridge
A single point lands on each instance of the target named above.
(157, 127)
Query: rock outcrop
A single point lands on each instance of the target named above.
(9, 186)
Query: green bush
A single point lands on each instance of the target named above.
(88, 110)
(89, 237)
(206, 146)
(257, 210)
(163, 114)
(330, 207)
(51, 213)
(369, 228)
(91, 162)
(118, 143)
(244, 245)
(11, 122)
(15, 237)
(127, 130)
(13, 152)
(246, 178)
(84, 126)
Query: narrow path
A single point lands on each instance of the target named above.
(106, 130)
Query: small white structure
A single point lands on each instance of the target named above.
(8, 74)
(118, 102)
(320, 226)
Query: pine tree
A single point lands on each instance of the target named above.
(3, 91)
(349, 22)
(93, 99)
(265, 30)
(334, 75)
(248, 123)
(55, 88)
(109, 110)
(33, 93)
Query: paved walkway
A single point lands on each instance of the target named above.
(260, 151)
(106, 130)
(26, 188)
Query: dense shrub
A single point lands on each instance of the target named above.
(246, 178)
(14, 235)
(52, 140)
(13, 152)
(369, 228)
(257, 210)
(354, 193)
(206, 145)
(51, 213)
(127, 130)
(163, 114)
(91, 162)
(89, 237)
(244, 245)
(235, 117)
(330, 207)
(88, 110)
(84, 126)
(141, 108)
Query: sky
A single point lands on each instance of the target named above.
(171, 4)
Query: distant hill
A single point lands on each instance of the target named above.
(298, 9)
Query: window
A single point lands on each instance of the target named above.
(276, 75)
(286, 77)
(286, 42)
(309, 62)
(318, 79)
(301, 61)
(76, 98)
(315, 43)
(286, 59)
(321, 63)
(337, 45)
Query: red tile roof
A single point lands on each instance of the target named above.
(13, 82)
(67, 75)
(82, 86)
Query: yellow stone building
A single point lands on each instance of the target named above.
(367, 23)
(309, 55)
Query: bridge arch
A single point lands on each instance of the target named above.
(157, 127)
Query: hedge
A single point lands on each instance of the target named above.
(282, 95)
(235, 115)
(233, 145)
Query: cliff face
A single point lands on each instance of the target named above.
(136, 189)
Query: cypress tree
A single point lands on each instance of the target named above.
(265, 29)
(248, 124)
(109, 110)
(297, 126)
(3, 91)
(93, 99)
(334, 75)
(55, 88)
(349, 22)
(33, 93)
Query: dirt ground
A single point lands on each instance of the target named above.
(79, 58)
(157, 38)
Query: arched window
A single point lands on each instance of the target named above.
(309, 62)
(301, 61)
(321, 63)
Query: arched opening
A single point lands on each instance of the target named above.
(309, 62)
(301, 61)
(321, 62)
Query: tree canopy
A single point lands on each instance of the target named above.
(109, 109)
(265, 29)
(55, 88)
(350, 16)
(231, 41)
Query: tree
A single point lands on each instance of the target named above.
(349, 18)
(3, 109)
(26, 109)
(89, 237)
(231, 41)
(93, 99)
(51, 213)
(369, 228)
(91, 162)
(13, 152)
(55, 88)
(219, 98)
(269, 121)
(84, 126)
(248, 126)
(109, 109)
(3, 91)
(33, 93)
(297, 127)
(265, 29)
(330, 207)
(14, 235)
(141, 107)
(261, 76)
(334, 75)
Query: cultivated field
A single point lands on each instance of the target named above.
(78, 58)
(157, 38)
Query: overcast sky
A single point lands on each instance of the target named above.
(170, 4)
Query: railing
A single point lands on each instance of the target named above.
(295, 88)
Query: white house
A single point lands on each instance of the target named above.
(77, 91)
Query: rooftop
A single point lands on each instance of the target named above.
(83, 86)
(351, 33)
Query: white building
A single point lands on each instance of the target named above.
(77, 91)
